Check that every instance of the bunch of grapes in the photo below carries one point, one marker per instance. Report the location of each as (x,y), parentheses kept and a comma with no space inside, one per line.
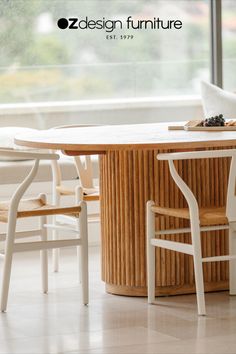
(217,121)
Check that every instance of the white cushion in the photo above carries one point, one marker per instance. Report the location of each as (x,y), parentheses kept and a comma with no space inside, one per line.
(217,101)
(7,135)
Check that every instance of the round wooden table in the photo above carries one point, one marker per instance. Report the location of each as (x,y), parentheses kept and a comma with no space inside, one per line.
(129,176)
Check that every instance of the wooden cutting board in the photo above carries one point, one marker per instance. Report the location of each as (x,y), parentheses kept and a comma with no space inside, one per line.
(192,125)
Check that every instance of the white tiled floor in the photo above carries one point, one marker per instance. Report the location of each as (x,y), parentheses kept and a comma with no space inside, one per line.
(59,323)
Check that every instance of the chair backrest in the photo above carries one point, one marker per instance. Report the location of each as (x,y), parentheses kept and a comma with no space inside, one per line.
(190,198)
(26,155)
(84,167)
(83,164)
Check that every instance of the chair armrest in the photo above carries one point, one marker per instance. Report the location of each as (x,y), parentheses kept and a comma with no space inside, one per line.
(190,155)
(28,155)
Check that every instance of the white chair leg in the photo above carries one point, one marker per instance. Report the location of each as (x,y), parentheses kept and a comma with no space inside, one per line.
(55,235)
(6,280)
(8,261)
(79,255)
(232,263)
(83,231)
(150,253)
(78,199)
(55,251)
(44,255)
(198,270)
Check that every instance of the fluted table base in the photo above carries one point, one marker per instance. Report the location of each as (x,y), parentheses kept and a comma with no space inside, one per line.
(127,180)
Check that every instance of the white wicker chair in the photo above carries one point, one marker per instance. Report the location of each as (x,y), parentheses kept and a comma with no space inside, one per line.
(85,190)
(19,208)
(201,219)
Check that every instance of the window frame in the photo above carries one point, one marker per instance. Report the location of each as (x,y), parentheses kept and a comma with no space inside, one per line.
(216,52)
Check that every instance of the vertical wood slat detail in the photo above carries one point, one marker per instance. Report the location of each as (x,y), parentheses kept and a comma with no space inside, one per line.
(127,180)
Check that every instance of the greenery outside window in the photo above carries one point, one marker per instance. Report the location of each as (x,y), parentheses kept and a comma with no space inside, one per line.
(40,62)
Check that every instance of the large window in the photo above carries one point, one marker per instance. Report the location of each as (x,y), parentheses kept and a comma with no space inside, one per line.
(40,62)
(229,43)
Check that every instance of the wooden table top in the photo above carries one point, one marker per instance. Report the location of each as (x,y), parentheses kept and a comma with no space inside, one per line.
(99,139)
